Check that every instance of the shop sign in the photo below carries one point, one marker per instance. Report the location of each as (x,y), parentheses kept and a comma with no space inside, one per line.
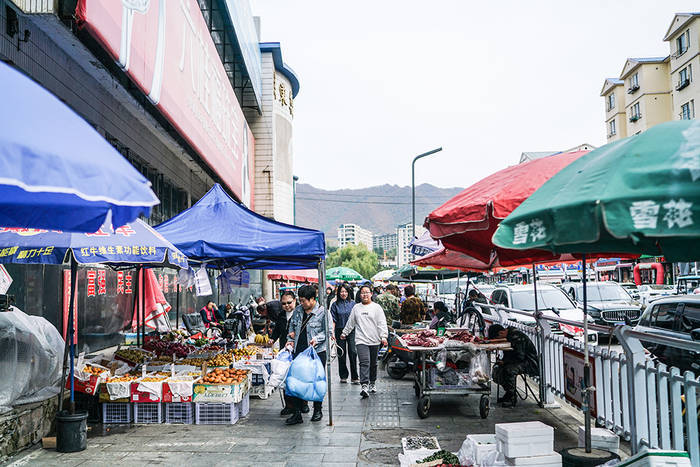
(573,378)
(165,47)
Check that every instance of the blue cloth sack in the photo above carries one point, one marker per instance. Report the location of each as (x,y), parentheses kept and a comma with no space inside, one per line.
(306,378)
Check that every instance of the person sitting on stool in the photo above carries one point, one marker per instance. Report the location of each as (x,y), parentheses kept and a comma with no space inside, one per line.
(521,359)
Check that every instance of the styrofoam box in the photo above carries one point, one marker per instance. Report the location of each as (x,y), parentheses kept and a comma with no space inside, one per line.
(552,459)
(657,458)
(601,438)
(483,446)
(525,439)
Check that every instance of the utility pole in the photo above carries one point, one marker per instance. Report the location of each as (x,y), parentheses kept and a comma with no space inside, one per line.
(413,187)
(294,188)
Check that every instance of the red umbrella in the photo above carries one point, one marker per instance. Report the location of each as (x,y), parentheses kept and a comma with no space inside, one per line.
(467,222)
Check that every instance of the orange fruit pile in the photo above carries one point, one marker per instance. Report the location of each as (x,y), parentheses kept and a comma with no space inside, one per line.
(225,376)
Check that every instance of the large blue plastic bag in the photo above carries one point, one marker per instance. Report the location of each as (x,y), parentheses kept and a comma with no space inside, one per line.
(306,378)
(279,368)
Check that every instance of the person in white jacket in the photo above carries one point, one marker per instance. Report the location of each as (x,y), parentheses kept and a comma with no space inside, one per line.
(368,320)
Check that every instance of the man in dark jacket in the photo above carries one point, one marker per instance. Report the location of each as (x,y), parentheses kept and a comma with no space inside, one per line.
(521,359)
(274,314)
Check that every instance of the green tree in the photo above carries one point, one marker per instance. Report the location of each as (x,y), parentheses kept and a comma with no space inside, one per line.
(379,251)
(357,257)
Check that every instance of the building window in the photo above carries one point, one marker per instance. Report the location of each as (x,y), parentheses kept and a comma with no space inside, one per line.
(685,76)
(613,129)
(688,110)
(634,83)
(611,101)
(635,113)
(682,43)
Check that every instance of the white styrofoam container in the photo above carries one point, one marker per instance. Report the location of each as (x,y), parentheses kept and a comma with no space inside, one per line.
(552,459)
(657,458)
(477,447)
(601,438)
(525,439)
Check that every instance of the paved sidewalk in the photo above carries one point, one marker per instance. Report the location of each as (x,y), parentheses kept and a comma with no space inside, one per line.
(365,432)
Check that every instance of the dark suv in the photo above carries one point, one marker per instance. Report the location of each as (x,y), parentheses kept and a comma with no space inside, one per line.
(677,316)
(608,302)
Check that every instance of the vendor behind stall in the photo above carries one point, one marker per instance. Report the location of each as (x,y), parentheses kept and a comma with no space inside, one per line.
(521,359)
(275,314)
(209,314)
(441,316)
(412,309)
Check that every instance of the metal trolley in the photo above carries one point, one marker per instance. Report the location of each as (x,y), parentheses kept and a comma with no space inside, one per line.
(424,389)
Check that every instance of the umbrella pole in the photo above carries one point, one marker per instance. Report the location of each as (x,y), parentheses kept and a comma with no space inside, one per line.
(142,307)
(71,334)
(322,300)
(177,306)
(586,365)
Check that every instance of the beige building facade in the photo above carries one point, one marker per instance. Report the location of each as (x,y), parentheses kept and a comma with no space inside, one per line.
(353,234)
(653,90)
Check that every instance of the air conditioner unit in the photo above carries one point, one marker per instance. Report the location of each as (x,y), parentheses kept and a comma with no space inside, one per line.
(632,89)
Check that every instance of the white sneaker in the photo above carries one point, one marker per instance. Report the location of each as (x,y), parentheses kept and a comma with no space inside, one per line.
(372,388)
(363,393)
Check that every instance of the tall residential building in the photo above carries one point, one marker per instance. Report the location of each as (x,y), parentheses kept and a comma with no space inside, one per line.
(353,234)
(653,90)
(386,242)
(683,36)
(404,236)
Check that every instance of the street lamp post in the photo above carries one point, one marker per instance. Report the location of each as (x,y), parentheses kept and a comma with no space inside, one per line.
(294,188)
(413,187)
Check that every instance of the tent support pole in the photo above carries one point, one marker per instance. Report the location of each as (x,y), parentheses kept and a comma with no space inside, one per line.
(67,349)
(177,306)
(142,306)
(71,333)
(322,299)
(586,364)
(136,308)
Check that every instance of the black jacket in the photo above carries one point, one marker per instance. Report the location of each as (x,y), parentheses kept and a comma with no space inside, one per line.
(524,351)
(276,314)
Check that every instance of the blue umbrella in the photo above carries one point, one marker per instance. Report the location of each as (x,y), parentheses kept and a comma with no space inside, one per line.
(134,243)
(56,171)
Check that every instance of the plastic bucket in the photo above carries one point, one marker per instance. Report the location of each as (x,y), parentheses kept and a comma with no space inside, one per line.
(71,431)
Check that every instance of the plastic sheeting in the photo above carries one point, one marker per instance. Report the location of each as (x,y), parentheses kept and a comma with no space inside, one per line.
(31,355)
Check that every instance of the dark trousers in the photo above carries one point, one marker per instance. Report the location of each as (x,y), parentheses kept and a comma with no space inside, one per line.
(299,403)
(348,351)
(368,362)
(505,374)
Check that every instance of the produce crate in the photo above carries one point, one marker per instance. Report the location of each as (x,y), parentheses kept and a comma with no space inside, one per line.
(179,413)
(148,413)
(87,386)
(116,412)
(257,379)
(262,391)
(219,393)
(168,395)
(216,414)
(243,406)
(142,396)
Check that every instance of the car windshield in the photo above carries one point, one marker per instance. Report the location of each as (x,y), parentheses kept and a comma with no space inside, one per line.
(660,287)
(602,293)
(547,298)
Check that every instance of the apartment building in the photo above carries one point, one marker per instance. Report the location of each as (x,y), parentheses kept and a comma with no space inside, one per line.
(386,242)
(404,236)
(653,90)
(353,234)
(683,36)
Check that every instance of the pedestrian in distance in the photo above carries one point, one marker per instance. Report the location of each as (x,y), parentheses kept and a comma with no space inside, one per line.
(389,302)
(307,328)
(369,323)
(412,309)
(340,311)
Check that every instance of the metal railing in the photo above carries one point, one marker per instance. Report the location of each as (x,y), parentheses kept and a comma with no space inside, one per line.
(643,401)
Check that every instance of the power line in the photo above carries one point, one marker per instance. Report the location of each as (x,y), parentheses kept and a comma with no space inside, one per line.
(371,196)
(343,201)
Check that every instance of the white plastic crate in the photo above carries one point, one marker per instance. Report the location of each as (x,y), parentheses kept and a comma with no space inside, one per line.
(550,460)
(476,448)
(179,412)
(215,414)
(525,439)
(243,406)
(116,412)
(149,412)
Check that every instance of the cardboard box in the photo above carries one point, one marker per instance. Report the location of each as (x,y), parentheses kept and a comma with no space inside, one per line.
(224,393)
(168,395)
(140,396)
(88,386)
(104,395)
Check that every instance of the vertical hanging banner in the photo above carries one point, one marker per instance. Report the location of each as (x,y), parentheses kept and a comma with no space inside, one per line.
(165,47)
(66,304)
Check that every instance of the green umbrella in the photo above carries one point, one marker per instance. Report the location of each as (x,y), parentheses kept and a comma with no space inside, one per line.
(343,274)
(637,195)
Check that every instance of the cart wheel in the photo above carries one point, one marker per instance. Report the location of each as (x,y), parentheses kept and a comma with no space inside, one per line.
(416,389)
(423,407)
(484,405)
(393,371)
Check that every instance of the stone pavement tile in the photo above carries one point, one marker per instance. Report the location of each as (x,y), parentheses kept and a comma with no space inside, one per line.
(303,460)
(338,464)
(156,457)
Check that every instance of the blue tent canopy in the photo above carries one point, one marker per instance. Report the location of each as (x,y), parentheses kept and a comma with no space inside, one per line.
(130,244)
(222,233)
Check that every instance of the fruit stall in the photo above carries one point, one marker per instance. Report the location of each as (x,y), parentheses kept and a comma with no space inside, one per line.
(174,379)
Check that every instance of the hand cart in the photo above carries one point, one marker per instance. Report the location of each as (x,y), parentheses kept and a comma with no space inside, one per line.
(424,387)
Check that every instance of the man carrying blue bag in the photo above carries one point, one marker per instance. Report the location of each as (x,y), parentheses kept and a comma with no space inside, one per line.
(306,379)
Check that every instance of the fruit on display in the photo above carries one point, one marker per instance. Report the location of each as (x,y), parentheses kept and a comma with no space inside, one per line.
(93,370)
(122,378)
(245,352)
(446,456)
(153,379)
(263,339)
(192,361)
(132,355)
(176,335)
(225,376)
(201,341)
(165,348)
(222,359)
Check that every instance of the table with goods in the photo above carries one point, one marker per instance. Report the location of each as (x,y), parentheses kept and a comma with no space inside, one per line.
(177,379)
(455,363)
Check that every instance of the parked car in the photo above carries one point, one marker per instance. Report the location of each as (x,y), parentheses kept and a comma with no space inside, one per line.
(650,292)
(631,289)
(551,301)
(608,303)
(688,285)
(677,316)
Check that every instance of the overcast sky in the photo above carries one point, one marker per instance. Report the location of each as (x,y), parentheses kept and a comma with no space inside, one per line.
(382,81)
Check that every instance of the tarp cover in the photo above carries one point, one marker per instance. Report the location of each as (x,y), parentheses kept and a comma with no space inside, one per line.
(31,354)
(219,231)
